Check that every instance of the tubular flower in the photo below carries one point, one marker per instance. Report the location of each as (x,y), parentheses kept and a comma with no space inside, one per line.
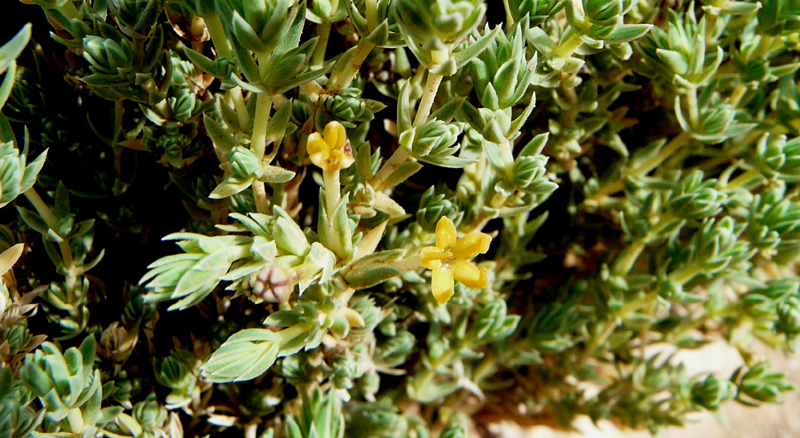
(449,260)
(331,151)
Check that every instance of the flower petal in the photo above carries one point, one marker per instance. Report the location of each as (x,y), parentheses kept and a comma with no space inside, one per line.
(446,233)
(469,275)
(335,135)
(316,144)
(442,284)
(347,155)
(471,245)
(320,158)
(431,257)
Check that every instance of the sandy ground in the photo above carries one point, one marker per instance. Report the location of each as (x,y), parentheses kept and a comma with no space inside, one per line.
(769,421)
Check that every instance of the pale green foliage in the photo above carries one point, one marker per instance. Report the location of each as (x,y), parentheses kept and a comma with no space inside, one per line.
(575,180)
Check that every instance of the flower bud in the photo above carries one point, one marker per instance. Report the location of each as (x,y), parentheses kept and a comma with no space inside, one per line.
(273,284)
(778,158)
(433,206)
(136,15)
(109,57)
(788,321)
(349,108)
(322,8)
(257,25)
(530,175)
(696,198)
(150,415)
(436,139)
(603,12)
(243,163)
(434,28)
(712,392)
(16,176)
(538,11)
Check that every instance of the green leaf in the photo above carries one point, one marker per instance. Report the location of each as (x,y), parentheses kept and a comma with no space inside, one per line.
(245,35)
(244,356)
(303,78)
(229,188)
(449,110)
(535,146)
(676,61)
(33,220)
(374,268)
(467,54)
(8,83)
(380,35)
(31,172)
(12,49)
(541,40)
(221,138)
(275,175)
(292,37)
(61,200)
(277,126)
(288,235)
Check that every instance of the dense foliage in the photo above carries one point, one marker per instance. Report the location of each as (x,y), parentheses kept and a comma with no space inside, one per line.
(392,218)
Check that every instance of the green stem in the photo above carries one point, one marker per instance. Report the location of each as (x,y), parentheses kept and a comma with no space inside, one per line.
(694,111)
(686,273)
(487,367)
(220,40)
(426,102)
(423,111)
(258,145)
(240,107)
(497,202)
(332,189)
(568,47)
(312,90)
(667,151)
(75,420)
(52,222)
(217,33)
(596,341)
(324,34)
(119,111)
(737,94)
(637,304)
(509,17)
(393,163)
(346,76)
(624,262)
(745,179)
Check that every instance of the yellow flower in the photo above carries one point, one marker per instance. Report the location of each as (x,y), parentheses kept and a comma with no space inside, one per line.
(331,151)
(449,260)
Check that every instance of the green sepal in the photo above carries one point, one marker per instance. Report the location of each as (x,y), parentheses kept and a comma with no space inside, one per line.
(373,269)
(244,356)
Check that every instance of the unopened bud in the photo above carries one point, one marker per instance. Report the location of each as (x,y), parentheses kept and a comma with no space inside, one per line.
(273,284)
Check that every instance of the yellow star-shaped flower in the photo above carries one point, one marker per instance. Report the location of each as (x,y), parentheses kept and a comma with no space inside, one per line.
(449,260)
(331,151)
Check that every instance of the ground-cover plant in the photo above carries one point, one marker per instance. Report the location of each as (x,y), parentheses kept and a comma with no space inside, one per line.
(392,218)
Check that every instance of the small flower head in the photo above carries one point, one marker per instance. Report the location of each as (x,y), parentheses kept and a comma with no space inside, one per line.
(449,259)
(332,150)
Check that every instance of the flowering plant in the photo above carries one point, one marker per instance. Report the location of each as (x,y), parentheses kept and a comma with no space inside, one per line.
(393,217)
